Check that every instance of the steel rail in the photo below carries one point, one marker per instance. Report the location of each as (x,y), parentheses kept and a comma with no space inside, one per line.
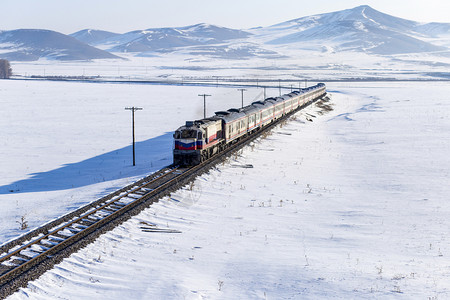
(76,220)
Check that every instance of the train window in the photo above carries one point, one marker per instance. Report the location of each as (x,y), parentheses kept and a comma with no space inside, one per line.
(176,135)
(200,135)
(188,134)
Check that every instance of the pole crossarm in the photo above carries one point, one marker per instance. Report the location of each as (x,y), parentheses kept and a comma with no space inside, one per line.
(133,108)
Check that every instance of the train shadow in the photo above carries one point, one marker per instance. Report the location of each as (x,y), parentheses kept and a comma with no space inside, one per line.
(151,155)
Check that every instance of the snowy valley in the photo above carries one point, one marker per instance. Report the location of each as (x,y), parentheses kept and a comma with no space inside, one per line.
(349,202)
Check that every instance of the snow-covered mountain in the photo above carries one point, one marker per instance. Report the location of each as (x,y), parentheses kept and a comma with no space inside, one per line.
(359,29)
(166,39)
(34,44)
(92,36)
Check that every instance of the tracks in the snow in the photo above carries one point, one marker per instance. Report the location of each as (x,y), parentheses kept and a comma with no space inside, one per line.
(29,256)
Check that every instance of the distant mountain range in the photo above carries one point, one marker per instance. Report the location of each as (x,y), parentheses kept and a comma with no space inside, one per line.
(159,39)
(33,44)
(361,29)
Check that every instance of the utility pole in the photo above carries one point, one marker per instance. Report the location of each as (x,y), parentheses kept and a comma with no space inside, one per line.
(204,104)
(133,109)
(242,92)
(279,85)
(217,80)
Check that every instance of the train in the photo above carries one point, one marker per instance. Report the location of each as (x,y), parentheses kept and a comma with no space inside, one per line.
(199,140)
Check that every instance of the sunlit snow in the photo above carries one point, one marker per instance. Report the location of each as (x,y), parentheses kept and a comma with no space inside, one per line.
(350,205)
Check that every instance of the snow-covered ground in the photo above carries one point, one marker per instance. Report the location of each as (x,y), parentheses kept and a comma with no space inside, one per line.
(351,205)
(295,64)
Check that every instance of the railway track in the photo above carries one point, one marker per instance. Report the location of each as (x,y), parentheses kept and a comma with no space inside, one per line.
(22,256)
(27,257)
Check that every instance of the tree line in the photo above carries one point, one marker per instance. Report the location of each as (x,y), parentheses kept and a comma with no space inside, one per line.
(5,69)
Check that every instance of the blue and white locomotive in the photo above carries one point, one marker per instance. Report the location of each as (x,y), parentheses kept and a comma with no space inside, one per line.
(198,140)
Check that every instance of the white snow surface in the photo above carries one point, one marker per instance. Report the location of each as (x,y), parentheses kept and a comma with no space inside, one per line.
(351,205)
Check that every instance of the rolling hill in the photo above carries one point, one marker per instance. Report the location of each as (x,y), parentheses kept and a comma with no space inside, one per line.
(34,44)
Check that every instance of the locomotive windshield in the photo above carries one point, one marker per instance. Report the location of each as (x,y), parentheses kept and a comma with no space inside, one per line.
(189,134)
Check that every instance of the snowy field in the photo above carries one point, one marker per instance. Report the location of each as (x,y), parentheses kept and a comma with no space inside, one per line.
(351,205)
(298,64)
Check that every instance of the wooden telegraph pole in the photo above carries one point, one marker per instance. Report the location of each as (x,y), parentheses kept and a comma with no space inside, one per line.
(133,109)
(204,104)
(242,98)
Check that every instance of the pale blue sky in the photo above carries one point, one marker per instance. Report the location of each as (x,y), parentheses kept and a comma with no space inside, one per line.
(125,15)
